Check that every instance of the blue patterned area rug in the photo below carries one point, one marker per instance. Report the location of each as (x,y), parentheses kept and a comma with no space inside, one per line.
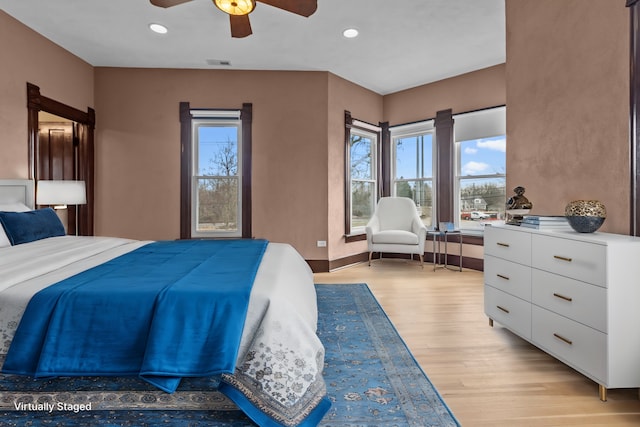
(372,380)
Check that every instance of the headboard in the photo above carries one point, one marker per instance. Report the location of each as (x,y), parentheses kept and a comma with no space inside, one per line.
(17,190)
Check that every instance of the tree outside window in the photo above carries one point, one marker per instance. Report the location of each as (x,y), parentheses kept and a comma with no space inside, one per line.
(218,179)
(363,176)
(413,171)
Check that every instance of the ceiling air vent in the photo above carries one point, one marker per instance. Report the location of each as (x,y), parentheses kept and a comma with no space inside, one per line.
(219,62)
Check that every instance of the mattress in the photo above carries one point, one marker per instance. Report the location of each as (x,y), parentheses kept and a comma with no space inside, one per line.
(280,358)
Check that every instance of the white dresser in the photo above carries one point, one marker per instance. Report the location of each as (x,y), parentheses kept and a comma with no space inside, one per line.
(576,296)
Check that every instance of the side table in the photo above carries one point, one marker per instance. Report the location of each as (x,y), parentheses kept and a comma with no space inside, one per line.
(436,234)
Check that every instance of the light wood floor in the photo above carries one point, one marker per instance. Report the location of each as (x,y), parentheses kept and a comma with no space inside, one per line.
(487,376)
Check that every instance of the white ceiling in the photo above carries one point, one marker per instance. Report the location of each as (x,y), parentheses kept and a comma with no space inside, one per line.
(402,43)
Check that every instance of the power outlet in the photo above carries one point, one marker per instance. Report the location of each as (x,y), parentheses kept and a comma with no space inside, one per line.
(322,243)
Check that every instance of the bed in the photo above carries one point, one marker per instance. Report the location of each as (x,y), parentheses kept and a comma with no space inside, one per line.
(275,376)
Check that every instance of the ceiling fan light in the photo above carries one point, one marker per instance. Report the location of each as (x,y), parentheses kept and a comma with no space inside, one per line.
(235,7)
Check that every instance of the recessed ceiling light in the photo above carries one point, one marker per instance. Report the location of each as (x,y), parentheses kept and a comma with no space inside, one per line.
(158,28)
(350,33)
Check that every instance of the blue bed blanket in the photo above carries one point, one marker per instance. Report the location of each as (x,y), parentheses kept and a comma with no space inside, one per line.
(165,311)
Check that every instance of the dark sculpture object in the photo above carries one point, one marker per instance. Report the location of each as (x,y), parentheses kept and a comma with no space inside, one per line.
(519,201)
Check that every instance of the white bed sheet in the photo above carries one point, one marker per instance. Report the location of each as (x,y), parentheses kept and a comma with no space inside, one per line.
(28,268)
(279,336)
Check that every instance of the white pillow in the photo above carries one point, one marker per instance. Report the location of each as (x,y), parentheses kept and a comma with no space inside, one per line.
(10,207)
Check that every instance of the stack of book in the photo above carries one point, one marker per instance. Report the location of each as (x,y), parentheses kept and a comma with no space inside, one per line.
(544,222)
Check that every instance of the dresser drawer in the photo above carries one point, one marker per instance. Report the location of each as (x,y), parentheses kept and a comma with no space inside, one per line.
(580,301)
(577,345)
(578,260)
(510,277)
(512,312)
(509,244)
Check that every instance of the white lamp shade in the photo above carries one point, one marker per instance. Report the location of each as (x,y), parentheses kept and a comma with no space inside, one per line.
(61,193)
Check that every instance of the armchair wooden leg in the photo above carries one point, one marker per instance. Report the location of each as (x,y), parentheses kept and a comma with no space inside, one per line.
(422,261)
(370,255)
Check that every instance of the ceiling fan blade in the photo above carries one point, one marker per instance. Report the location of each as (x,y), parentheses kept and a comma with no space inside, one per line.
(240,26)
(304,8)
(167,3)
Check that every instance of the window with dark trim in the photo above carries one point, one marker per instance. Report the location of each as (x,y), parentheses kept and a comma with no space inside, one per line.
(413,166)
(434,159)
(215,189)
(362,171)
(437,175)
(480,173)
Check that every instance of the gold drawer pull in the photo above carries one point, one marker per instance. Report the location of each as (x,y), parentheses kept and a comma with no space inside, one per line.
(503,309)
(502,277)
(560,337)
(562,297)
(506,245)
(562,258)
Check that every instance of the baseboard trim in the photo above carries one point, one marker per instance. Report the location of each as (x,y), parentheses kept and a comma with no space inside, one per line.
(325,266)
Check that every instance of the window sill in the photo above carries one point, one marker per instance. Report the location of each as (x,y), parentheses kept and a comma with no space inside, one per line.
(469,237)
(349,238)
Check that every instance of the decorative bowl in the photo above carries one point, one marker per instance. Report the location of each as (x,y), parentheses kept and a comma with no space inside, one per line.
(585,216)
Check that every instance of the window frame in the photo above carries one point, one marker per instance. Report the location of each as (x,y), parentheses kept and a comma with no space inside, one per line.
(368,130)
(408,131)
(214,118)
(187,116)
(493,126)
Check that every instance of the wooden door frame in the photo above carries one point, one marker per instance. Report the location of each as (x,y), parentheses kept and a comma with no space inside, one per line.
(36,102)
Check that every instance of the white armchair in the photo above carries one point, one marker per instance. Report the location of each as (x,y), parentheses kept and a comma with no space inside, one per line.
(396,227)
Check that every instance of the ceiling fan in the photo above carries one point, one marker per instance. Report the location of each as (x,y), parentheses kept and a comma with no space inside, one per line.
(239,10)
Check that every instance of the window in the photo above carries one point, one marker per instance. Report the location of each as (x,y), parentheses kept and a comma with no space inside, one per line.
(452,166)
(480,167)
(362,172)
(412,168)
(215,186)
(217,180)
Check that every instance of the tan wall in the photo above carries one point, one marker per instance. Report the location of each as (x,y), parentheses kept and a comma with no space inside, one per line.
(467,92)
(567,104)
(364,105)
(28,57)
(138,151)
